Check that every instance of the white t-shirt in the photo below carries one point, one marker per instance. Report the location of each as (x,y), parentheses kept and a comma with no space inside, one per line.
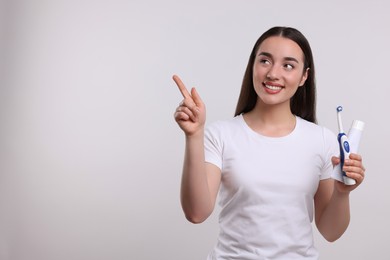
(267,190)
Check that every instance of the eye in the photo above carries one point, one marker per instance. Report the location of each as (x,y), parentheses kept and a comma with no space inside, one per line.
(289,66)
(265,61)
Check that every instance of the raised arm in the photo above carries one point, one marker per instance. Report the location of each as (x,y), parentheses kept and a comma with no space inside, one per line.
(332,210)
(200,180)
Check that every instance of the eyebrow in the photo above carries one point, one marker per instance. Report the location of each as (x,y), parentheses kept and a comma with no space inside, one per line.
(285,58)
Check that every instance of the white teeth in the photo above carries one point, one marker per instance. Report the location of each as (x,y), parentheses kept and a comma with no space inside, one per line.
(273,87)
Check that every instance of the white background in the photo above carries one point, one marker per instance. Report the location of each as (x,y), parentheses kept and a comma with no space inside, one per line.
(90,155)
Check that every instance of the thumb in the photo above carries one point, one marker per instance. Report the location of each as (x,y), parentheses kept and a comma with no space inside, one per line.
(195,96)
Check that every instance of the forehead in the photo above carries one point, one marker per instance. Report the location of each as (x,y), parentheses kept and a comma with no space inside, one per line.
(280,47)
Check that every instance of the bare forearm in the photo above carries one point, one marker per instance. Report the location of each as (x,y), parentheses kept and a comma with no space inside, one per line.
(195,194)
(335,218)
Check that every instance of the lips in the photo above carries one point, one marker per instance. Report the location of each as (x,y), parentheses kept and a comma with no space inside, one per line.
(272,87)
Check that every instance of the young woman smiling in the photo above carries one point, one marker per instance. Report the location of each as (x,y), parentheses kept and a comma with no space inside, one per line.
(271,163)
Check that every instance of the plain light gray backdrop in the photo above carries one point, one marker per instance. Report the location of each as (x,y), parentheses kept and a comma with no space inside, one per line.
(90,155)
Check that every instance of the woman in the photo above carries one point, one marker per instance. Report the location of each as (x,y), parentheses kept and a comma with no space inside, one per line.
(271,163)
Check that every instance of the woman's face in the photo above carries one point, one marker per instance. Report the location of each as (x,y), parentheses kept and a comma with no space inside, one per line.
(278,71)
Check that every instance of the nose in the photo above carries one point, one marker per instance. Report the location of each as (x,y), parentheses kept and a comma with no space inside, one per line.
(273,73)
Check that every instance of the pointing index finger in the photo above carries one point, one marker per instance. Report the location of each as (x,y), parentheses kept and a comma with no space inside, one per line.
(181,86)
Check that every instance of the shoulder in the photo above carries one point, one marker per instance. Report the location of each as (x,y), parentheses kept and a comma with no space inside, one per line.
(225,125)
(224,131)
(322,137)
(314,129)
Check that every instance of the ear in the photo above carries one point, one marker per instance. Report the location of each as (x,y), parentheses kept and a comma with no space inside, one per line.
(304,77)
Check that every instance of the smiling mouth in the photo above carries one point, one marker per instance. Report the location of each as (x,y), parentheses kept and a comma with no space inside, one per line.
(272,87)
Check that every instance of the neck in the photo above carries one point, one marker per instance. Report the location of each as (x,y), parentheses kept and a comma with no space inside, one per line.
(273,114)
(273,121)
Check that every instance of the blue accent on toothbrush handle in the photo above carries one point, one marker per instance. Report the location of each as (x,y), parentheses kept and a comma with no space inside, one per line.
(345,151)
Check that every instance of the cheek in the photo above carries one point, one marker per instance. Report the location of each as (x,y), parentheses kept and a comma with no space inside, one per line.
(295,79)
(258,72)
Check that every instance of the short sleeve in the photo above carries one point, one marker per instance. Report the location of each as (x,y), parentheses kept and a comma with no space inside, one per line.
(213,145)
(331,148)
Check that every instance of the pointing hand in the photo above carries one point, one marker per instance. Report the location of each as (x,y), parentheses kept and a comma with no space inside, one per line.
(191,112)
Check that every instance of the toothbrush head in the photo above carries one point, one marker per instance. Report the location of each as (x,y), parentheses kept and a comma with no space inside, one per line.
(339,109)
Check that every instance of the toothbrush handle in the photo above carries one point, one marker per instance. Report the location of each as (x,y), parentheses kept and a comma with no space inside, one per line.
(345,151)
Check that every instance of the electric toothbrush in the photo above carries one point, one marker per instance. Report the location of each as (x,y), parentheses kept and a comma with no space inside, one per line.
(345,148)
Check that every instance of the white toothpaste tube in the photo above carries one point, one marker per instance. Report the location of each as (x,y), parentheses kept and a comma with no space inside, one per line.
(348,144)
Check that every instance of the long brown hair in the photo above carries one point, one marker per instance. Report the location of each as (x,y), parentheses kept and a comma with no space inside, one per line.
(303,103)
